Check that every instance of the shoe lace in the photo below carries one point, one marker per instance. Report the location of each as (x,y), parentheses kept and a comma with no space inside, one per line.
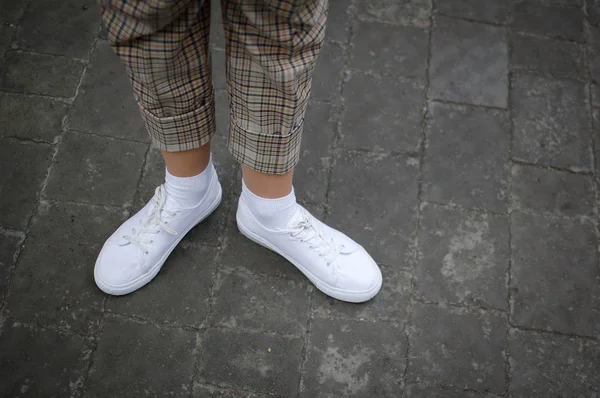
(307,232)
(153,223)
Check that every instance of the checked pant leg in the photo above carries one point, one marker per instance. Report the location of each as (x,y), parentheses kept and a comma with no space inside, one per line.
(164,45)
(271,49)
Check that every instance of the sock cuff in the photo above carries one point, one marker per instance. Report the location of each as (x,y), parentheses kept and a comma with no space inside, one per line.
(291,197)
(188,182)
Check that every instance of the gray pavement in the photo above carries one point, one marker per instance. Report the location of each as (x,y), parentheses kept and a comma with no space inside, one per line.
(456,139)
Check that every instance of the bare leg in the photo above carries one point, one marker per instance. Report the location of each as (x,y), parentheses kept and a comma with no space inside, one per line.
(268,186)
(187,163)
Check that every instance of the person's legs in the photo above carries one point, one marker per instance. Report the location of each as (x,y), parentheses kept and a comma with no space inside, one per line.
(164,46)
(272,47)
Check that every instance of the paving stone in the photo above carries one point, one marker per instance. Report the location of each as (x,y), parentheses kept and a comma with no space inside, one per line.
(544,365)
(105,104)
(596,95)
(41,363)
(456,347)
(11,11)
(469,63)
(6,35)
(208,391)
(185,280)
(596,129)
(63,28)
(327,75)
(217,34)
(494,11)
(373,199)
(403,12)
(311,175)
(400,50)
(337,21)
(566,3)
(466,157)
(85,170)
(54,282)
(554,276)
(33,118)
(21,161)
(551,124)
(593,12)
(354,359)
(9,246)
(418,391)
(551,191)
(463,257)
(134,359)
(391,303)
(556,57)
(40,74)
(538,19)
(387,111)
(594,53)
(219,73)
(261,303)
(264,363)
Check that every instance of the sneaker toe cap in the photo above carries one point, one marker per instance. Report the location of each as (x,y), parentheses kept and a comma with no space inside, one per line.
(112,272)
(360,274)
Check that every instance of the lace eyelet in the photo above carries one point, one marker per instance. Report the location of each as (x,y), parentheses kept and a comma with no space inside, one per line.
(151,241)
(146,252)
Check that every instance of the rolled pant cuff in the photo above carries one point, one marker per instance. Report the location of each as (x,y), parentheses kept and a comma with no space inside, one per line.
(182,132)
(265,153)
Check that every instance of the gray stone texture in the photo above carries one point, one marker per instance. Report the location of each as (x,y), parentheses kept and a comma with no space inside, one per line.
(328,72)
(551,191)
(131,359)
(403,12)
(40,74)
(382,114)
(551,122)
(9,247)
(261,303)
(594,53)
(63,28)
(554,275)
(402,50)
(33,118)
(354,359)
(469,63)
(457,347)
(338,21)
(11,11)
(105,103)
(538,19)
(54,278)
(463,257)
(263,363)
(545,365)
(593,12)
(466,157)
(381,222)
(85,170)
(28,163)
(556,57)
(493,11)
(41,362)
(6,35)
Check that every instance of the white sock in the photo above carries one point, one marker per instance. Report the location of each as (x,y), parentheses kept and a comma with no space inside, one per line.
(188,191)
(271,213)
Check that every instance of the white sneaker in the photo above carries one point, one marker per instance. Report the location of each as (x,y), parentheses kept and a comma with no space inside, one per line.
(135,253)
(338,266)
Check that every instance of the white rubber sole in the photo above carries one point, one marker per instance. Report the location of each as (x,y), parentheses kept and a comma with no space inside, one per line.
(146,278)
(343,295)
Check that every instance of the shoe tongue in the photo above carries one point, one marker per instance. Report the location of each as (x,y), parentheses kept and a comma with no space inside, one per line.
(297,217)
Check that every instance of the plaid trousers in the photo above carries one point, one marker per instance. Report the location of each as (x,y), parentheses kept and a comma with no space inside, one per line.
(271,50)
